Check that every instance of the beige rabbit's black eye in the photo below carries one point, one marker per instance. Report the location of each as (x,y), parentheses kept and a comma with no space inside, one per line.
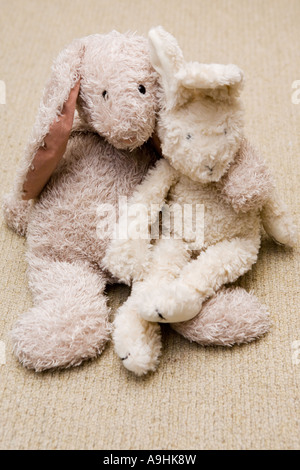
(105,95)
(142,89)
(188,136)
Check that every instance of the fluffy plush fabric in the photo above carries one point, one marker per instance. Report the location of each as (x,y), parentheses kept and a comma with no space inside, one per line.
(209,163)
(200,398)
(70,320)
(278,222)
(232,316)
(137,342)
(247,184)
(67,234)
(16,213)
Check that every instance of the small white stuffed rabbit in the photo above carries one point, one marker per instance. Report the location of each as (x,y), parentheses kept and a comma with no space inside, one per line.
(209,163)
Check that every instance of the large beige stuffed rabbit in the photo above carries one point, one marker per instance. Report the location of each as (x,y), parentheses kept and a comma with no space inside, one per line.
(105,158)
(209,164)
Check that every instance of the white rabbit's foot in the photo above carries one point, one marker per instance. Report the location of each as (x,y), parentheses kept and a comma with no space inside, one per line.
(140,358)
(169,303)
(137,342)
(127,259)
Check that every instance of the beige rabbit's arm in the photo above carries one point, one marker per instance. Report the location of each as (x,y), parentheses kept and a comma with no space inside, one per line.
(128,255)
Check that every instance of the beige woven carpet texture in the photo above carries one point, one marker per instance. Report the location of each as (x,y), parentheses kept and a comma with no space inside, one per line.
(245,397)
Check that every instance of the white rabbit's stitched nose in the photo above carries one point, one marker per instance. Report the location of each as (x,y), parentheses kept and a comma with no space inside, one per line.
(210,168)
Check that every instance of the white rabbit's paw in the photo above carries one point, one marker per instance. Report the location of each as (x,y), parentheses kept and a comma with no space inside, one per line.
(169,303)
(140,358)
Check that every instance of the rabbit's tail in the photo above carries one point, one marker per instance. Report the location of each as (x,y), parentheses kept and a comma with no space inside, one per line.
(277,221)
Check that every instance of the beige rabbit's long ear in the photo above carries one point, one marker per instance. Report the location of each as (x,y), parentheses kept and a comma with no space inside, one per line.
(167,59)
(218,77)
(65,76)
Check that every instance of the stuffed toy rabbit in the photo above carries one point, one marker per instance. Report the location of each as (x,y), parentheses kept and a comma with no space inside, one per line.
(209,163)
(61,183)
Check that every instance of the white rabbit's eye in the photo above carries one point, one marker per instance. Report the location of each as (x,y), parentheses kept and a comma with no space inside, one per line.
(225,131)
(105,95)
(142,89)
(188,136)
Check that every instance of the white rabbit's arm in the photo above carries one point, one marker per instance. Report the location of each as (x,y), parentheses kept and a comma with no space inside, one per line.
(248,182)
(278,222)
(128,255)
(152,192)
(248,185)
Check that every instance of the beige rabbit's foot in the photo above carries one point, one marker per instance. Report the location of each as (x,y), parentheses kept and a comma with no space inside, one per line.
(169,303)
(231,316)
(57,334)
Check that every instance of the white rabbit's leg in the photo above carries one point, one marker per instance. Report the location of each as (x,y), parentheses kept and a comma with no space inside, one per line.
(222,263)
(69,320)
(128,259)
(278,222)
(136,341)
(169,257)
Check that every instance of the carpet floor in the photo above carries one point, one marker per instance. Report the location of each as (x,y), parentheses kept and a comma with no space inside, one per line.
(200,398)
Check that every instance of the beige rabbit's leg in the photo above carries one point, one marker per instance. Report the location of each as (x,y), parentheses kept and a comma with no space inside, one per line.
(231,316)
(69,320)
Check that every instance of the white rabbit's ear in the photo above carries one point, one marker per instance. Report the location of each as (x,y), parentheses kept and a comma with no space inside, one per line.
(211,76)
(167,59)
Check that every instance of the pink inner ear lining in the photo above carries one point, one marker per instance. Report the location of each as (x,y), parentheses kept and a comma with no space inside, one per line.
(48,156)
(39,173)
